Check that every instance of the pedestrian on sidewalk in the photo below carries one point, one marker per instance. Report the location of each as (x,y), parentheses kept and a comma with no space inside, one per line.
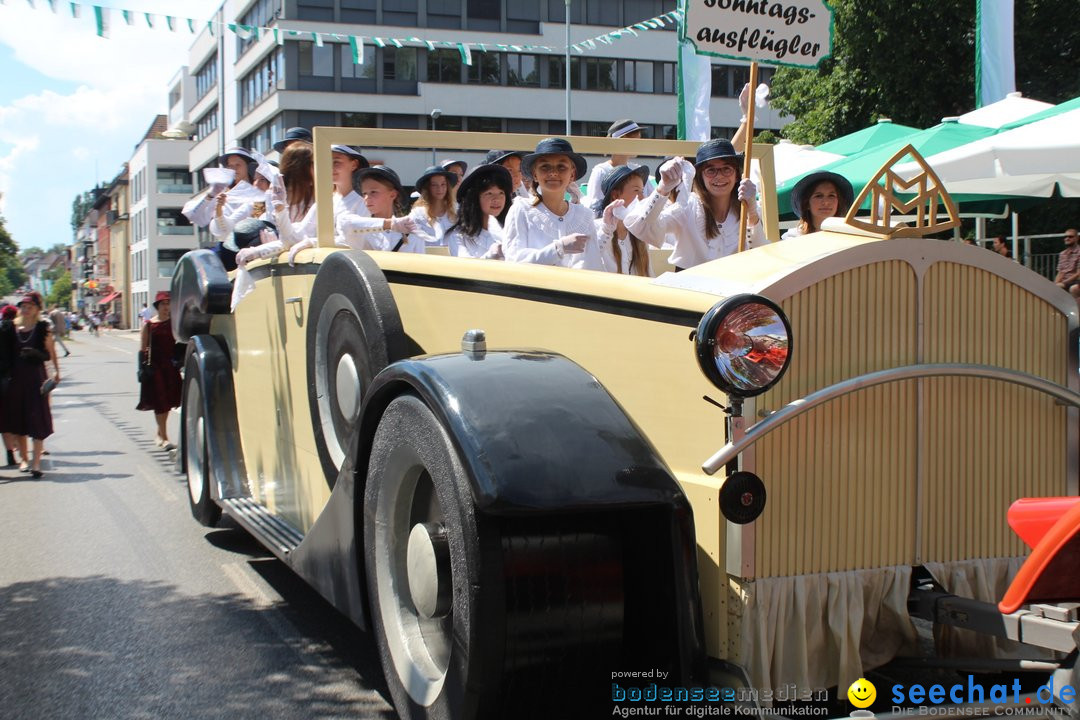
(26,403)
(158,349)
(7,355)
(58,322)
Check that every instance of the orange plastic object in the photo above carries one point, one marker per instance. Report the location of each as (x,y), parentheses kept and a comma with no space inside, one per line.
(1031,518)
(1050,572)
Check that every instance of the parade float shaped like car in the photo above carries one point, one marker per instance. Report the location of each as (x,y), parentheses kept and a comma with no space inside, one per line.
(510,474)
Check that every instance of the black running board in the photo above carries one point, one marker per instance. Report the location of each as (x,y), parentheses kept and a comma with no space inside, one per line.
(276,534)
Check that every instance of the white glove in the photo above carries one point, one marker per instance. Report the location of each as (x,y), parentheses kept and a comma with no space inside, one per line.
(748,196)
(744,99)
(613,213)
(217,188)
(574,190)
(670,176)
(302,245)
(761,97)
(278,196)
(571,244)
(258,252)
(495,252)
(403,225)
(266,235)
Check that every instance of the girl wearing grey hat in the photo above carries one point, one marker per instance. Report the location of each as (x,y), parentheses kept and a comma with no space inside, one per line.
(436,209)
(619,129)
(620,250)
(705,220)
(201,211)
(549,229)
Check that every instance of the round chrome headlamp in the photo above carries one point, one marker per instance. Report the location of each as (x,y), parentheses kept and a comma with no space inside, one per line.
(744,345)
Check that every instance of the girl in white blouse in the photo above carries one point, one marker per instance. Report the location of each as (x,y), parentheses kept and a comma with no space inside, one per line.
(620,250)
(818,196)
(436,209)
(548,229)
(485,199)
(388,228)
(347,162)
(705,220)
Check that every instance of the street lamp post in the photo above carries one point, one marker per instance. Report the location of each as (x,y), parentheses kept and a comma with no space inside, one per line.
(435,114)
(568,68)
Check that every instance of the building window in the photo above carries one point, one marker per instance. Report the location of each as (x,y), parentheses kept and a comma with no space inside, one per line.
(261,14)
(485,124)
(557,73)
(599,74)
(523,16)
(484,14)
(444,14)
(638,76)
(263,79)
(313,61)
(515,125)
(667,71)
(264,137)
(444,66)
(359,119)
(174,180)
(522,70)
(486,69)
(400,12)
(166,262)
(454,123)
(171,222)
(206,124)
(606,13)
(557,11)
(315,9)
(206,78)
(399,64)
(358,11)
(362,71)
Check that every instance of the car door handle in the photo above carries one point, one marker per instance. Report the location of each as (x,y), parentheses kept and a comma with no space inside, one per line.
(291,300)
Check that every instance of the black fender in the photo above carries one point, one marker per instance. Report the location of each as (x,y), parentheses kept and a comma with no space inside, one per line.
(200,289)
(223,446)
(544,444)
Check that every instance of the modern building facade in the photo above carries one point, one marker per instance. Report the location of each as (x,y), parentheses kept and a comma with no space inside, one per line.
(248,90)
(159,185)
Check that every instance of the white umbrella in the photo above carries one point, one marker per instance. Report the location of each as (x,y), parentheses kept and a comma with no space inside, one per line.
(791,160)
(1011,108)
(1030,160)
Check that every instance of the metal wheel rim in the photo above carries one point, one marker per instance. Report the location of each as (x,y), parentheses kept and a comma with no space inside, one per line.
(419,647)
(334,304)
(194,442)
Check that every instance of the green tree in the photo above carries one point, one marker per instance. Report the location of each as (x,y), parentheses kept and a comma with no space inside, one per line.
(12,274)
(80,206)
(61,291)
(914,61)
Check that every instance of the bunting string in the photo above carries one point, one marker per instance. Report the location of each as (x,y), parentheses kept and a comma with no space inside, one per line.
(249,32)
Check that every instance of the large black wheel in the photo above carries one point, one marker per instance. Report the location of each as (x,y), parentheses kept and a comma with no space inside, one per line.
(422,563)
(477,616)
(203,507)
(353,333)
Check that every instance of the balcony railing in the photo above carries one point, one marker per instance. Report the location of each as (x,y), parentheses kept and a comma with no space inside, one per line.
(175,188)
(176,230)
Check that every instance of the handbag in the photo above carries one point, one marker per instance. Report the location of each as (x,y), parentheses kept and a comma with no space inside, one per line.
(48,386)
(144,370)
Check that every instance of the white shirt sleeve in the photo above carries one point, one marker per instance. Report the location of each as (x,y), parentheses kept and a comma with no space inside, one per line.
(649,221)
(231,214)
(200,211)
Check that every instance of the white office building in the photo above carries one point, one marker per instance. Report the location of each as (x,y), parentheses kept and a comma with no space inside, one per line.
(249,91)
(159,185)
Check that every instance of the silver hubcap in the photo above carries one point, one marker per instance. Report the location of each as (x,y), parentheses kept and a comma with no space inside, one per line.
(428,563)
(348,387)
(414,584)
(194,442)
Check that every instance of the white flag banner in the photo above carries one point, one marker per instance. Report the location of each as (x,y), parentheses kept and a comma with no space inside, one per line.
(995,65)
(695,94)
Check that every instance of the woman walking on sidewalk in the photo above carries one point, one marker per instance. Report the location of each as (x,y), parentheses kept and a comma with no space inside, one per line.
(26,403)
(160,388)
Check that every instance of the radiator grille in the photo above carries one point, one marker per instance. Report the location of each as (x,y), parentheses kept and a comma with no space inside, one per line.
(843,478)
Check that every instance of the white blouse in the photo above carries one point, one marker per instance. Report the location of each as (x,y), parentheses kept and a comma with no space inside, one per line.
(607,241)
(201,211)
(366,233)
(654,218)
(532,231)
(435,230)
(482,246)
(292,231)
(596,180)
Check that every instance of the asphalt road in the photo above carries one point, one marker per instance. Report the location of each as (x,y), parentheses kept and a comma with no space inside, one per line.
(115,603)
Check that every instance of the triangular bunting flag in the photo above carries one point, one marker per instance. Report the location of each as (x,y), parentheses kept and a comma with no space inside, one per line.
(317,38)
(466,54)
(101,20)
(75,9)
(170,22)
(395,42)
(149,19)
(357,44)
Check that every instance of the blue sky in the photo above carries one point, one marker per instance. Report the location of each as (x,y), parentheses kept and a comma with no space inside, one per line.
(73,105)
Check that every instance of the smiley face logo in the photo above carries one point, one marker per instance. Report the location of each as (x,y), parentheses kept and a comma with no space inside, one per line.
(862,693)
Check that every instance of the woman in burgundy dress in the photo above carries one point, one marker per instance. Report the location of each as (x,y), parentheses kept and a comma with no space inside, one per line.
(160,390)
(26,403)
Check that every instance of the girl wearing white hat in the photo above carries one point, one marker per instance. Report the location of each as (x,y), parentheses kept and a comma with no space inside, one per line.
(549,229)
